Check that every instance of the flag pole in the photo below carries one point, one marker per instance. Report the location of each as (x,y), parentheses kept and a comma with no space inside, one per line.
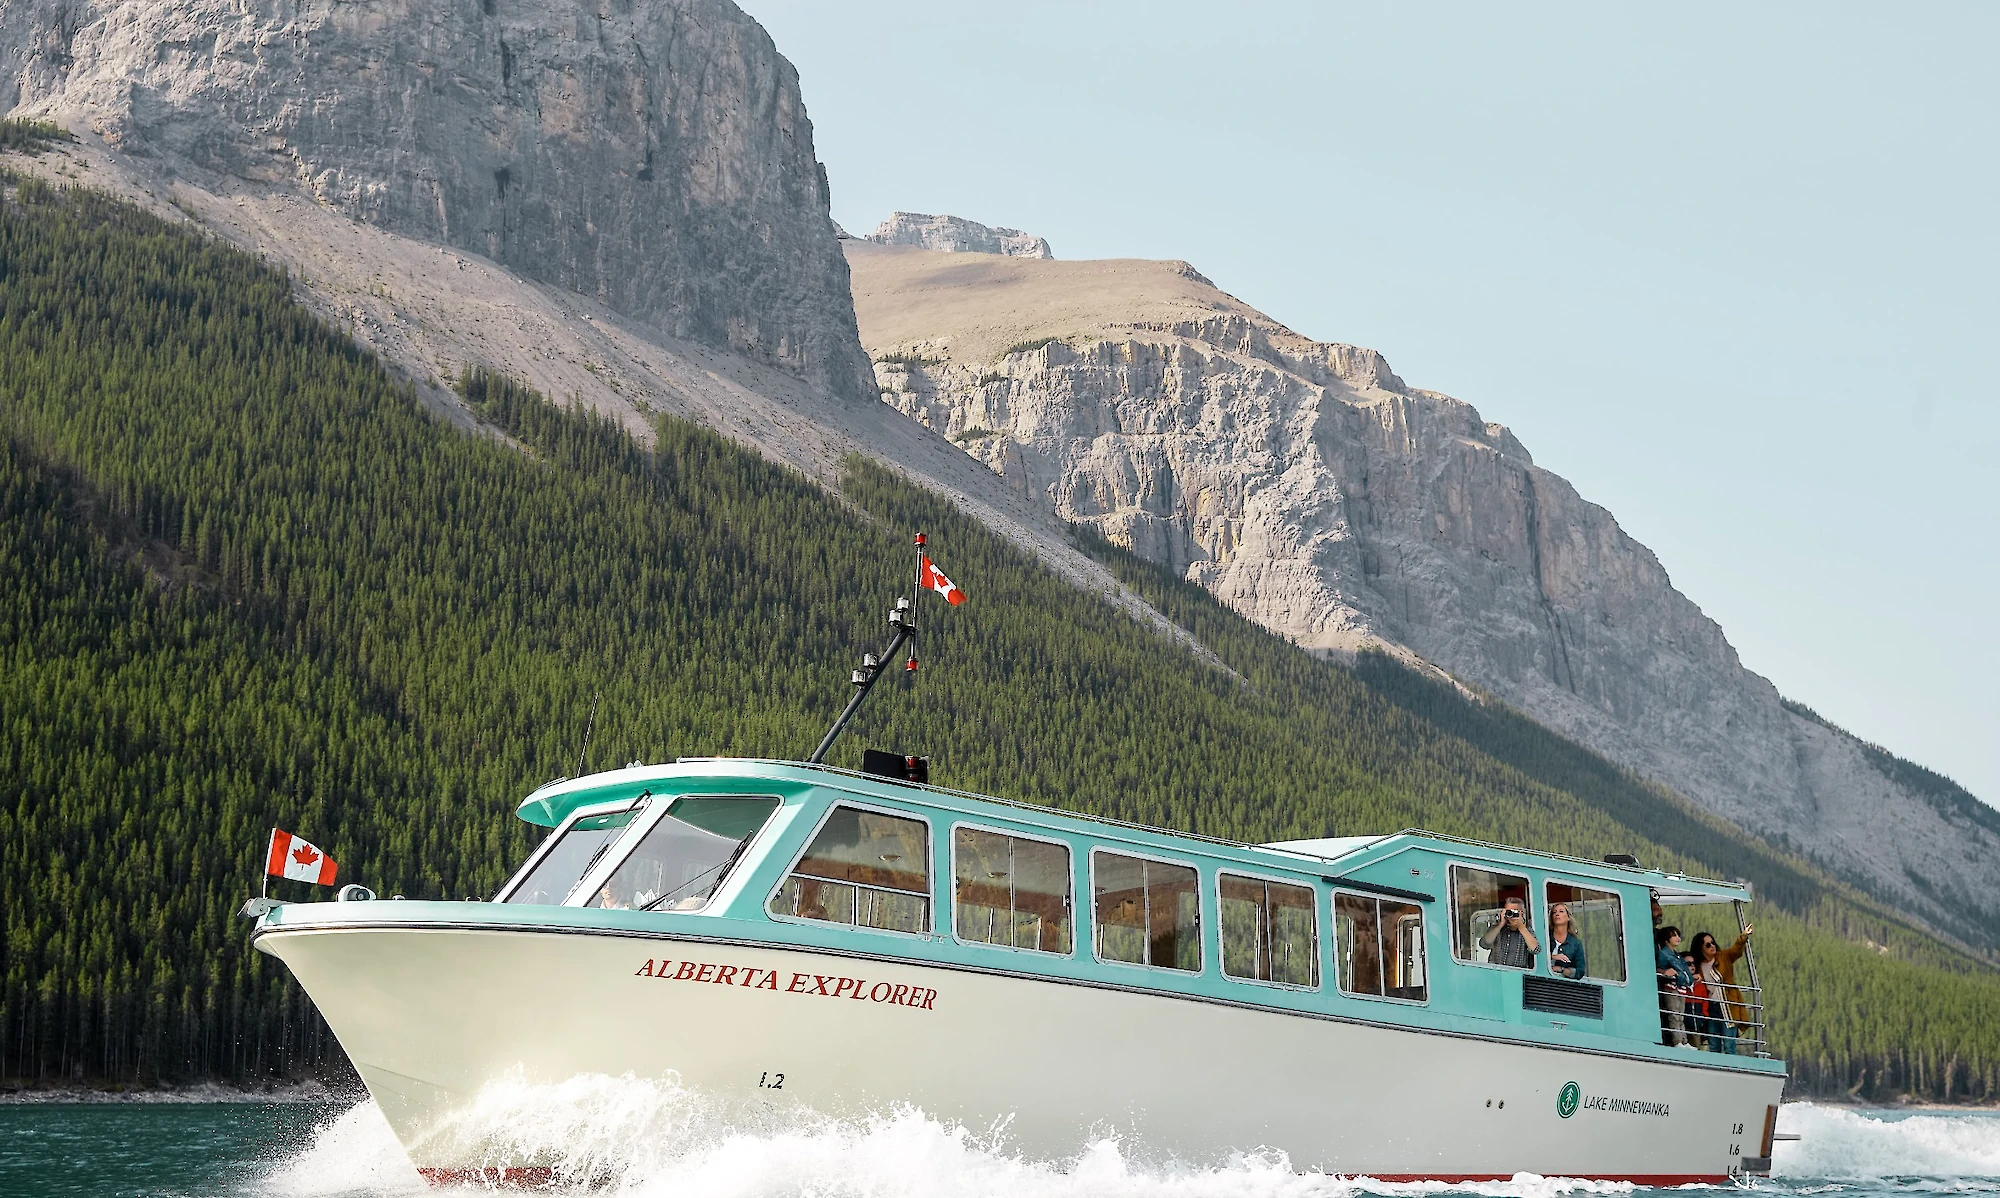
(903,624)
(910,662)
(917,587)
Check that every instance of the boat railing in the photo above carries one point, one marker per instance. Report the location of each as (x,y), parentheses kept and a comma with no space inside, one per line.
(1754,1003)
(1707,1023)
(864,905)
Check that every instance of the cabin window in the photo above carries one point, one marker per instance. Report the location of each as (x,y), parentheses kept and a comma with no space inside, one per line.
(1270,931)
(578,847)
(1146,912)
(1599,922)
(1010,890)
(865,868)
(1378,947)
(1479,899)
(686,854)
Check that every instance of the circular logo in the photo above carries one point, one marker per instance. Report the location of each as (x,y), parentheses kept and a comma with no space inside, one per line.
(1566,1100)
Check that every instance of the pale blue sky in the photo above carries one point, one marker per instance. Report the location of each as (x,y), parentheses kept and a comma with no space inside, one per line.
(1734,272)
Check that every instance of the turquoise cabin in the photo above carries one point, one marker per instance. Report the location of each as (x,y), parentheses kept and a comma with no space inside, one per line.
(1395,930)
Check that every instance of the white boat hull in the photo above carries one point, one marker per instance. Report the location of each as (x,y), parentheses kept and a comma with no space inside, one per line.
(429,1016)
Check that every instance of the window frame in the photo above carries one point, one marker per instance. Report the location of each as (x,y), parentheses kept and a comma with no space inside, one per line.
(549,842)
(805,846)
(1222,957)
(1200,924)
(1624,942)
(600,874)
(1068,954)
(1538,926)
(1333,941)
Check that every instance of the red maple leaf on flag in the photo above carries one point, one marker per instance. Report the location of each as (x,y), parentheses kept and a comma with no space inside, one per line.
(290,857)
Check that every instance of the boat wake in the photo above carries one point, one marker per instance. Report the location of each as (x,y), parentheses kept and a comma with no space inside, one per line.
(1838,1144)
(642,1139)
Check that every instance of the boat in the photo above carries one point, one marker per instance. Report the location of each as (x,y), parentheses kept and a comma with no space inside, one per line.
(790,937)
(803,935)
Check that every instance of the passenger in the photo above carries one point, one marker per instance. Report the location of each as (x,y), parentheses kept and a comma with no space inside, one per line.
(1717,966)
(1675,981)
(1565,947)
(1696,1019)
(1659,912)
(1717,1033)
(1510,942)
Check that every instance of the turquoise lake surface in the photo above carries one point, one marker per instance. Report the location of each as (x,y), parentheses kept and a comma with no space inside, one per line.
(651,1144)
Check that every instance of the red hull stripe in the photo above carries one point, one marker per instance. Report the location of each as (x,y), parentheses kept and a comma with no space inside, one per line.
(539,1176)
(1655,1181)
(513,1177)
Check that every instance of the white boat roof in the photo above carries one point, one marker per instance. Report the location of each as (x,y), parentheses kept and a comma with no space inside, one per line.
(551,802)
(1325,848)
(1672,889)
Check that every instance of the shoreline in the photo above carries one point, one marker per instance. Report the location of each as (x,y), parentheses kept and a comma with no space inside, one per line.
(289,1093)
(1845,1103)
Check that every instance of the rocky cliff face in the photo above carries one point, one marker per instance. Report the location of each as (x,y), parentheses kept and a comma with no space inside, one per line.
(615,202)
(650,154)
(956,235)
(1310,488)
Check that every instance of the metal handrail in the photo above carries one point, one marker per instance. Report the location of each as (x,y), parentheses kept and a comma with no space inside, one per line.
(1750,970)
(856,888)
(1751,1033)
(917,894)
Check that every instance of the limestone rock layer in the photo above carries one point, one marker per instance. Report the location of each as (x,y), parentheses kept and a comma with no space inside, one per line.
(1311,489)
(956,235)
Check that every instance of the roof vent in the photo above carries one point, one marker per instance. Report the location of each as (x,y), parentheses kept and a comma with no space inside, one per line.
(1620,859)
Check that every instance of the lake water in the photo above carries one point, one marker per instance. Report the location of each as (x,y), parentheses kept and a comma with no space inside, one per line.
(657,1149)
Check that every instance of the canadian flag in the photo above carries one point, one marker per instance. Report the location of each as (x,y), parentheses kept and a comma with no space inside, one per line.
(929,575)
(295,859)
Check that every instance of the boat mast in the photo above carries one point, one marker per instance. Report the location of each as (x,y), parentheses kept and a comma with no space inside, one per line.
(902,623)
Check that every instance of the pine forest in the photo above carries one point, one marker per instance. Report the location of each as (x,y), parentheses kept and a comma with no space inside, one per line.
(248,578)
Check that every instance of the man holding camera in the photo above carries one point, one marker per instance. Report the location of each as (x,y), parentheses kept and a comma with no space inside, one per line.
(1509,942)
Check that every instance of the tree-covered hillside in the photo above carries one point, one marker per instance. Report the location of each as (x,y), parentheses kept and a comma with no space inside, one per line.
(246,579)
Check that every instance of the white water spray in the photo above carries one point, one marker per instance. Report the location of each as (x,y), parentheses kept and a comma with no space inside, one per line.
(633,1138)
(354,1153)
(1845,1145)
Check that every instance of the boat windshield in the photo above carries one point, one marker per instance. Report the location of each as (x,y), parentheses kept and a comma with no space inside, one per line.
(580,846)
(686,854)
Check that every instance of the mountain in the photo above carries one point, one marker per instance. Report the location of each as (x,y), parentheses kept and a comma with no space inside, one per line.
(260,537)
(1310,488)
(249,577)
(956,235)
